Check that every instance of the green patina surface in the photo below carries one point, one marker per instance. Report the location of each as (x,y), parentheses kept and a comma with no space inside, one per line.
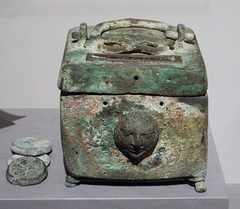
(149,74)
(26,171)
(88,123)
(133,60)
(120,79)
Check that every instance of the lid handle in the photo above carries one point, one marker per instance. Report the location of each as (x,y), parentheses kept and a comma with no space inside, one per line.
(176,33)
(127,23)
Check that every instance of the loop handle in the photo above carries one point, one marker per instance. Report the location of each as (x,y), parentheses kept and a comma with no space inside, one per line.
(127,23)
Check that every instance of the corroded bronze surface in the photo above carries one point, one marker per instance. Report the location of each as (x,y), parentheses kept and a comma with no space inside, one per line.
(136,135)
(26,171)
(88,123)
(134,103)
(165,59)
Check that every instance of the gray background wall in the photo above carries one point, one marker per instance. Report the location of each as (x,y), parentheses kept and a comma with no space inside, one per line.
(33,34)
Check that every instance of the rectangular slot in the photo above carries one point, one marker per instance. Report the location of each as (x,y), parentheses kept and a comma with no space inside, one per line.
(133,58)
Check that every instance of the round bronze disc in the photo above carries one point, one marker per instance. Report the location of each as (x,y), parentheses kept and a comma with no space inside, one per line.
(26,171)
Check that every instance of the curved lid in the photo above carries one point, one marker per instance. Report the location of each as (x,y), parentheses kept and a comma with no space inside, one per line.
(133,56)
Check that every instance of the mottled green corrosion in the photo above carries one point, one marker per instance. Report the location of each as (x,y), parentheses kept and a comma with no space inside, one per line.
(26,171)
(88,122)
(156,61)
(117,70)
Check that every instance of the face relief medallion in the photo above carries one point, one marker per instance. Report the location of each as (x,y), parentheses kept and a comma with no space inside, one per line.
(136,135)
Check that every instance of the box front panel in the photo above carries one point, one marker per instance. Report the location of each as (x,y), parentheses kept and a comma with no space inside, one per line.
(134,137)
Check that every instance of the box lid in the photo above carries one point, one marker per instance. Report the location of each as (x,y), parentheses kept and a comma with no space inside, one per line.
(133,56)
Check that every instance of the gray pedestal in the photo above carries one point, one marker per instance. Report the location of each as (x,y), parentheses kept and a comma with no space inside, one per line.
(52,193)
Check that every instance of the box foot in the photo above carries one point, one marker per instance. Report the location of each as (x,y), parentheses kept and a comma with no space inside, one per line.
(71,182)
(200,186)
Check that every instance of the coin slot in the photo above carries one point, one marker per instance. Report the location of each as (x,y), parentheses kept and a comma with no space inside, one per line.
(133,56)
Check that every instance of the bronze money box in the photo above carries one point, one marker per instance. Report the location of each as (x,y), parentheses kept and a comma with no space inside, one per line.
(134,104)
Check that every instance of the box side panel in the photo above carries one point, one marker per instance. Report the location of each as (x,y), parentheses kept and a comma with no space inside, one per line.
(137,78)
(88,125)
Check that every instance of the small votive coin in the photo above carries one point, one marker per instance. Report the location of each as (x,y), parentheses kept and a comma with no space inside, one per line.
(26,171)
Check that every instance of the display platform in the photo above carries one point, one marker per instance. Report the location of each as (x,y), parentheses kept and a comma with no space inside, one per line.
(234,194)
(52,193)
